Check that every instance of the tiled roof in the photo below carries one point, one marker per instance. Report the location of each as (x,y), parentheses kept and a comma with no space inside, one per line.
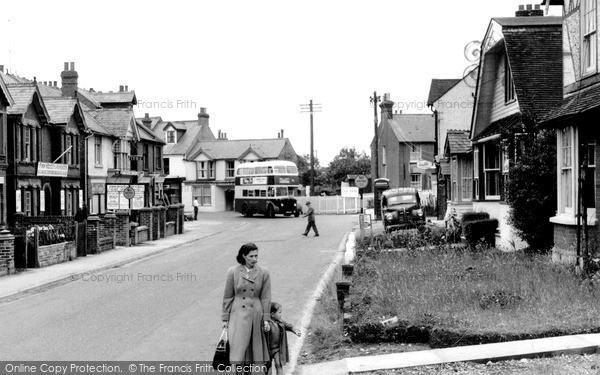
(413,127)
(116,121)
(529,21)
(582,101)
(511,122)
(115,97)
(149,135)
(87,99)
(194,133)
(155,120)
(22,94)
(535,57)
(5,95)
(94,125)
(439,87)
(60,109)
(457,142)
(233,149)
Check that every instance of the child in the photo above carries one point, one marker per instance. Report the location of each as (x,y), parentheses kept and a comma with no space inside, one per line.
(277,338)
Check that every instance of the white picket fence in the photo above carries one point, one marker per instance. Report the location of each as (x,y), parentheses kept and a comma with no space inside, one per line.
(343,205)
(335,204)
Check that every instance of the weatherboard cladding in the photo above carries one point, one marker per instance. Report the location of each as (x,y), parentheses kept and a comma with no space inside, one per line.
(439,87)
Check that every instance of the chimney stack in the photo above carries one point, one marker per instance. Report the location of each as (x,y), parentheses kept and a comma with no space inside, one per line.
(203,117)
(386,107)
(529,11)
(69,81)
(147,121)
(2,68)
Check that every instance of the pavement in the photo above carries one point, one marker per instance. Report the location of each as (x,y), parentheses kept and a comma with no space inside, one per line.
(36,280)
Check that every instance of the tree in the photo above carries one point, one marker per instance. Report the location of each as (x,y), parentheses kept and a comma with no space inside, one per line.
(531,188)
(303,163)
(348,161)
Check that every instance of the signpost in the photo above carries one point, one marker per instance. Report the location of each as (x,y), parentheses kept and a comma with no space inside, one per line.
(361,181)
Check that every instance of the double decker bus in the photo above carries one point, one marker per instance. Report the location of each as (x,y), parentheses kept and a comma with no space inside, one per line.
(267,187)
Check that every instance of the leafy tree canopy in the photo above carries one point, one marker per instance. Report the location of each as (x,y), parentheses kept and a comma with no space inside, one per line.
(348,161)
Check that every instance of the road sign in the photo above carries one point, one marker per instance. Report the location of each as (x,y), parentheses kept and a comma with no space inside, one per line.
(128,192)
(361,181)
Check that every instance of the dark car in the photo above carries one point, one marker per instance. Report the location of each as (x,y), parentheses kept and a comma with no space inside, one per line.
(401,209)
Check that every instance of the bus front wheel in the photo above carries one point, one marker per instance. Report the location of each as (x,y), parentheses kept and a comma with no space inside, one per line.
(270,212)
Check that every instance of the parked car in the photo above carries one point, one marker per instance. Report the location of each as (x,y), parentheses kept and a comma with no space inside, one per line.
(401,209)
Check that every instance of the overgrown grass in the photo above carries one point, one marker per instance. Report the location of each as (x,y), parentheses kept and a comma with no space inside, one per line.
(485,291)
(326,333)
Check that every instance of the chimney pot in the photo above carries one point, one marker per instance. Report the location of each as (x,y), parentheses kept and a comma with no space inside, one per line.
(536,6)
(147,115)
(202,110)
(521,7)
(72,66)
(281,133)
(66,66)
(55,84)
(529,7)
(2,68)
(126,88)
(120,88)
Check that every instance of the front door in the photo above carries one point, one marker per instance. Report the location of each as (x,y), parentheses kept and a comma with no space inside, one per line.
(229,200)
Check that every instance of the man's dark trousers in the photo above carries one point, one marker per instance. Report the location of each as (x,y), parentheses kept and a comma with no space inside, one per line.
(196,213)
(311,224)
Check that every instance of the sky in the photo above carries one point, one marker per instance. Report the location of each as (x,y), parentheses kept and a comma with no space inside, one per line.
(252,64)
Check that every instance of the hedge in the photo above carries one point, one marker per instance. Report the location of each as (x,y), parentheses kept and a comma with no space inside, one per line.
(485,230)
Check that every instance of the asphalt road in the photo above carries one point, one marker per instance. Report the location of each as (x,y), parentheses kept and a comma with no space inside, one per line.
(168,307)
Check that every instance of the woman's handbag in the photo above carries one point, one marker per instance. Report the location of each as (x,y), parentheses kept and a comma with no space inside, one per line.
(221,358)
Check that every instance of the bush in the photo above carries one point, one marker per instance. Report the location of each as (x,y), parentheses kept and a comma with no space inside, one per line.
(531,191)
(484,230)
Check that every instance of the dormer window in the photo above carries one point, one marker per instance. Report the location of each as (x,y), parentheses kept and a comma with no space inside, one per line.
(588,32)
(171,136)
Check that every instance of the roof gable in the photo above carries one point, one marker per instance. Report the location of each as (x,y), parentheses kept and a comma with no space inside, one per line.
(413,127)
(439,87)
(119,122)
(4,94)
(457,142)
(24,95)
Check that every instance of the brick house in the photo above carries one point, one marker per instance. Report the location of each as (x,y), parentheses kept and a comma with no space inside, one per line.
(404,140)
(451,101)
(577,177)
(5,102)
(204,165)
(518,83)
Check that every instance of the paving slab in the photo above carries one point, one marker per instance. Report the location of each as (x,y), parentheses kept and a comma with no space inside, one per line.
(551,346)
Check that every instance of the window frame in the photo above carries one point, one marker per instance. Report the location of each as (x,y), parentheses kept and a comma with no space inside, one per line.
(97,150)
(491,171)
(230,169)
(589,37)
(509,86)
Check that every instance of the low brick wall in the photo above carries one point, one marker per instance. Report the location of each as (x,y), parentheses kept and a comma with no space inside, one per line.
(565,243)
(56,253)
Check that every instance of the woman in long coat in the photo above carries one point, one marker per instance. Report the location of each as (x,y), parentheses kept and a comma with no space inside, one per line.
(246,308)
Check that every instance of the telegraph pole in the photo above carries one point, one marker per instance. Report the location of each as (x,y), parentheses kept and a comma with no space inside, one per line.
(374,101)
(311,108)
